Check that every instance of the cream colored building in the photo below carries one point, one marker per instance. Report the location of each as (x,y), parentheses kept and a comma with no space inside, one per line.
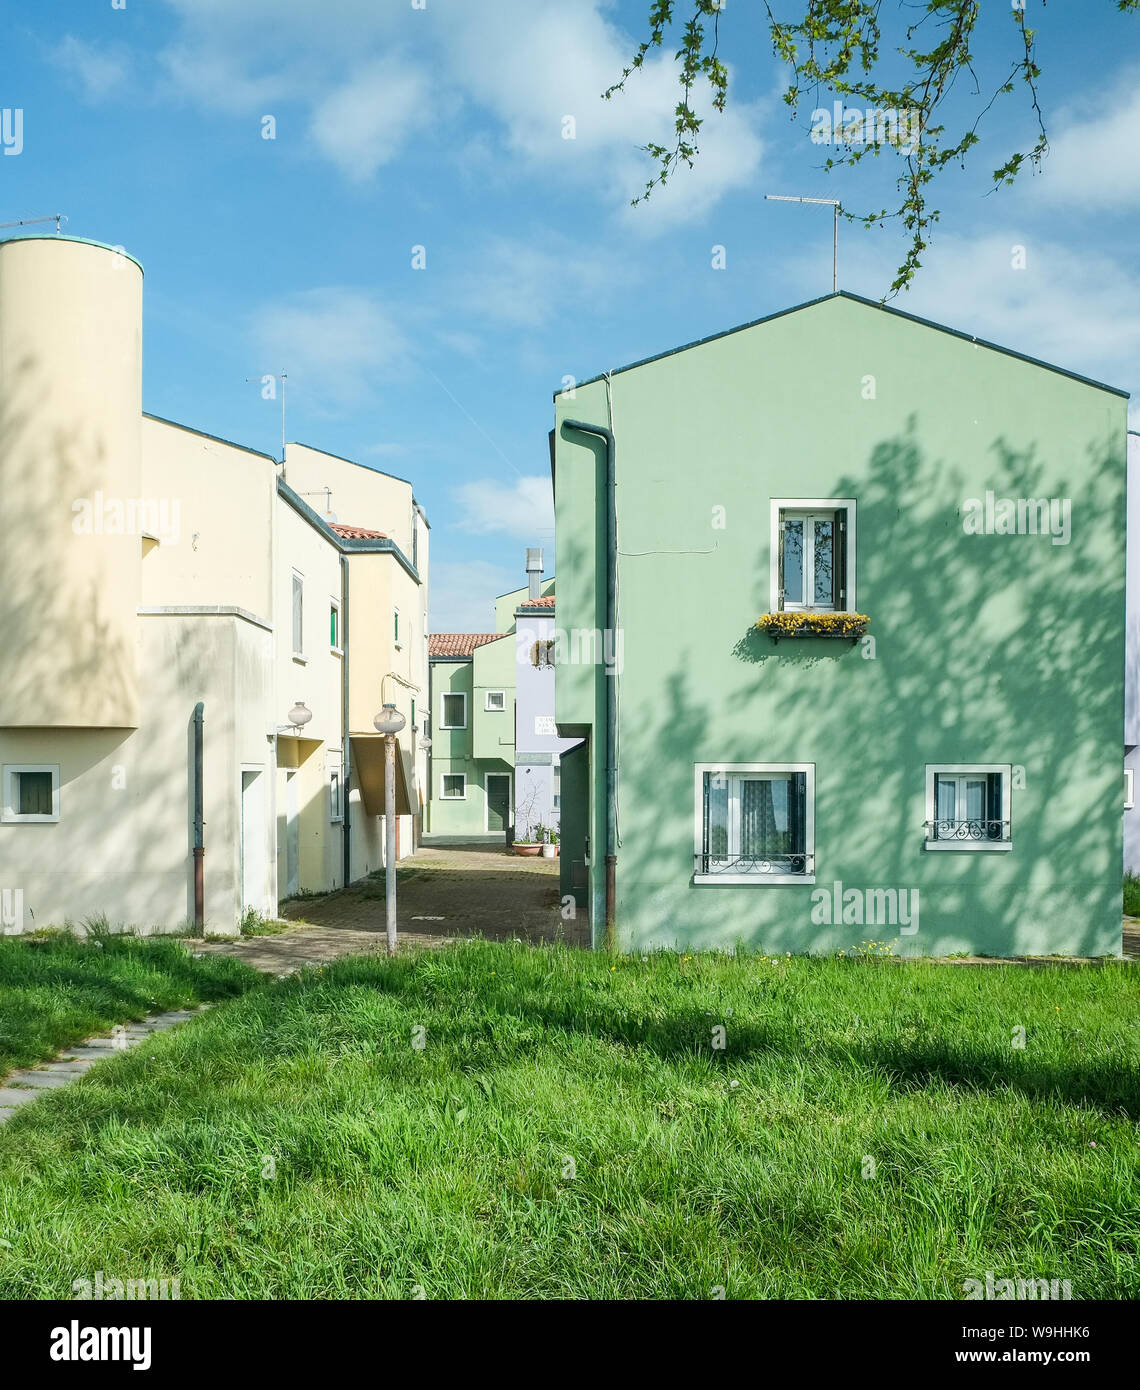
(147,569)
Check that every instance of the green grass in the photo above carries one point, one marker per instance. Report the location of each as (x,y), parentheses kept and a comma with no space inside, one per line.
(56,988)
(1132,894)
(569,1130)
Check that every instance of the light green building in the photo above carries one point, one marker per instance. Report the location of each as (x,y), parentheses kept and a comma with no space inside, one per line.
(945,776)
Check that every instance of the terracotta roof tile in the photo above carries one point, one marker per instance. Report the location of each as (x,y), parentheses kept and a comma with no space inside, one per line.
(546,601)
(358,533)
(459,643)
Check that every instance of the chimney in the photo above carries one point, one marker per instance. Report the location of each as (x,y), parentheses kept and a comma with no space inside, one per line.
(534,573)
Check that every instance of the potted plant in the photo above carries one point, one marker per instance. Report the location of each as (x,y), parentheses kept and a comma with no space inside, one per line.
(550,845)
(529,842)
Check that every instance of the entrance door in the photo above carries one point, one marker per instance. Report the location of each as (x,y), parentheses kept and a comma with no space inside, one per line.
(498,789)
(252,841)
(292,835)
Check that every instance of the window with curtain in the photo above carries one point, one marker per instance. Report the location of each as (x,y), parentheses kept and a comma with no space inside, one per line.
(754,822)
(968,806)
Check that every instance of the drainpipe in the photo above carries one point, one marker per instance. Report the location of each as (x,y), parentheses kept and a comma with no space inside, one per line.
(610,686)
(199,823)
(346,745)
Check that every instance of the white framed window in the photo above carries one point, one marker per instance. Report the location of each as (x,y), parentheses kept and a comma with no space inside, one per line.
(335,637)
(453,710)
(396,638)
(754,823)
(453,786)
(496,700)
(812,555)
(31,793)
(968,806)
(1129,799)
(336,785)
(298,613)
(556,785)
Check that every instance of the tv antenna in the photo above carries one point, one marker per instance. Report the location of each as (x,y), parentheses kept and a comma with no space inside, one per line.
(282,376)
(56,217)
(828,202)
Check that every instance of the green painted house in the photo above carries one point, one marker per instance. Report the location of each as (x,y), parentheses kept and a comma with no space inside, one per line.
(841,624)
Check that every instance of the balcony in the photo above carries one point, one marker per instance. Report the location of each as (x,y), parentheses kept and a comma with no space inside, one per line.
(968,834)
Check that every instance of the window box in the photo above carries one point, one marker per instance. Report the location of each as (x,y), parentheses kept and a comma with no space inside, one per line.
(754,823)
(798,623)
(968,806)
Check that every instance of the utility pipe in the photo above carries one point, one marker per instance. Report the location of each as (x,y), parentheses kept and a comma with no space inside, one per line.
(610,688)
(199,823)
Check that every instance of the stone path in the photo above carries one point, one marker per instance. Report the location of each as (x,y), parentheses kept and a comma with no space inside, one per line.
(23,1086)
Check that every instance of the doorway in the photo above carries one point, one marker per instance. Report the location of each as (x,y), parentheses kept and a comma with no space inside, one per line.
(252,840)
(497,786)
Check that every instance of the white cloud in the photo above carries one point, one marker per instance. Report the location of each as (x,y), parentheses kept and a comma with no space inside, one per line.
(1092,159)
(364,123)
(100,69)
(339,345)
(463,594)
(523,509)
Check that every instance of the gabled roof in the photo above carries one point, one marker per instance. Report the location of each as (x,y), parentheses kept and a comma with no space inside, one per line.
(459,644)
(870,304)
(357,533)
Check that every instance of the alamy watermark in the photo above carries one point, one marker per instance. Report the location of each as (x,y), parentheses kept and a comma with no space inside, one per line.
(1019,516)
(12,129)
(1004,1290)
(133,1290)
(847,125)
(158,517)
(866,907)
(12,911)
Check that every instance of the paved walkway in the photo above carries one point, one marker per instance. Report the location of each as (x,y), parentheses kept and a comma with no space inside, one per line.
(23,1086)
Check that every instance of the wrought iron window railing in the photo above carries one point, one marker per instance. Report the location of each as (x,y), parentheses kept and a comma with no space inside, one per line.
(967,830)
(755,864)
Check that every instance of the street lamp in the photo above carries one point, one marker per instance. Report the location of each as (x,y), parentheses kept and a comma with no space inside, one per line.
(300,715)
(389,722)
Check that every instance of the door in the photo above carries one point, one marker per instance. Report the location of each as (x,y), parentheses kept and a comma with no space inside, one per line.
(252,841)
(498,789)
(292,835)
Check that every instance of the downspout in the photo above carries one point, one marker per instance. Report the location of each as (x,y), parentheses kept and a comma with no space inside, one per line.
(346,742)
(199,824)
(600,432)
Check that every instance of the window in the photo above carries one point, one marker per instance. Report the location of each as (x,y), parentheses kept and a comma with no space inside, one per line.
(334,625)
(453,786)
(453,714)
(31,792)
(396,628)
(556,785)
(968,806)
(336,810)
(1129,799)
(298,614)
(755,823)
(496,700)
(412,721)
(812,564)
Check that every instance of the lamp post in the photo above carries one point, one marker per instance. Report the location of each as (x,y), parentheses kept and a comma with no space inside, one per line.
(389,722)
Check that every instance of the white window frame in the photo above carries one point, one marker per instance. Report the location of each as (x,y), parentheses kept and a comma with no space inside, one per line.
(1129,789)
(334,606)
(758,878)
(969,770)
(8,813)
(487,800)
(556,783)
(489,708)
(397,640)
(809,505)
(443,724)
(335,773)
(443,795)
(298,651)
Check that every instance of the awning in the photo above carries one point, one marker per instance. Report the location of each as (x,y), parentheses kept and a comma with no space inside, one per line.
(368,774)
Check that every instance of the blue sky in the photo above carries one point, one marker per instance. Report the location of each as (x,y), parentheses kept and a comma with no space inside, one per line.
(442,127)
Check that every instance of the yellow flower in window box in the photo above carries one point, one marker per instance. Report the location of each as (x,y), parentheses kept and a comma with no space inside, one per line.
(802,624)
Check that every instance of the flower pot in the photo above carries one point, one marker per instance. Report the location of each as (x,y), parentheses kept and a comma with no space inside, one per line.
(549,851)
(526,849)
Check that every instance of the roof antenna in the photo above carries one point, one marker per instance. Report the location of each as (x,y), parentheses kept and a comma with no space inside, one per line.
(269,392)
(830,202)
(56,217)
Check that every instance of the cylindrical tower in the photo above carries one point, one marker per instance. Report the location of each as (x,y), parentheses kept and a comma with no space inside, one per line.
(71,514)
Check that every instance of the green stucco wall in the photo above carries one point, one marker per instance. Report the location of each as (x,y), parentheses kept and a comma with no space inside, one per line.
(478,749)
(987,648)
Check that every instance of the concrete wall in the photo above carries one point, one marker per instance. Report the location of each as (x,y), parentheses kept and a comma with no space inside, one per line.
(988,648)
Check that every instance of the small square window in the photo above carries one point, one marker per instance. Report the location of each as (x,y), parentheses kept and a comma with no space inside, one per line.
(453,711)
(968,806)
(31,793)
(496,700)
(453,786)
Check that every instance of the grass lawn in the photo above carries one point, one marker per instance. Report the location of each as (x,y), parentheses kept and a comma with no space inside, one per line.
(569,1130)
(56,989)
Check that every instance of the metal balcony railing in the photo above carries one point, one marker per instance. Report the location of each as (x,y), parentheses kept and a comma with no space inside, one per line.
(754,864)
(967,830)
